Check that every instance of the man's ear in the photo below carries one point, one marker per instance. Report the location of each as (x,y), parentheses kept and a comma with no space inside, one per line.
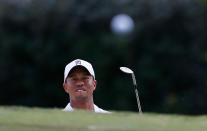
(94,84)
(65,88)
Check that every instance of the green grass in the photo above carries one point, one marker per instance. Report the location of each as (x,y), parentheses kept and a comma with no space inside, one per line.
(41,119)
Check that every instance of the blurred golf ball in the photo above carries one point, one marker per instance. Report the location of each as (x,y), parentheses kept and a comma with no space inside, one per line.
(122,24)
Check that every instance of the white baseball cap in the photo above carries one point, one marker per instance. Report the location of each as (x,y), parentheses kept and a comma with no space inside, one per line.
(78,62)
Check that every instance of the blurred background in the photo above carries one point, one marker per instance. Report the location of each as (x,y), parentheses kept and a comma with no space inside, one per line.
(166,50)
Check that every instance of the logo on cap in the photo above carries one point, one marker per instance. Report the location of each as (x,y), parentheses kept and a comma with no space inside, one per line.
(78,62)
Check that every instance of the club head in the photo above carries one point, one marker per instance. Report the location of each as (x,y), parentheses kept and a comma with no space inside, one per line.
(126,70)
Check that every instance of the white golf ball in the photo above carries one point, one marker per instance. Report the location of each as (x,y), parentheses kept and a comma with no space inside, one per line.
(122,24)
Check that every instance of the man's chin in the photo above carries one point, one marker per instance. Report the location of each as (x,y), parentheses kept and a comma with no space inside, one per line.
(81,97)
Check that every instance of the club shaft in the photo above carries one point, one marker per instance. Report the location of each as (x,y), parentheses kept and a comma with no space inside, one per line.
(138,101)
(136,92)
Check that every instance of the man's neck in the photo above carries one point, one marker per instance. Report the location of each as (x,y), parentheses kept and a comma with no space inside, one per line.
(84,105)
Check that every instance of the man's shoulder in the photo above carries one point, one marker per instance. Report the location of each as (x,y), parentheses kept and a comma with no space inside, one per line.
(99,110)
(68,108)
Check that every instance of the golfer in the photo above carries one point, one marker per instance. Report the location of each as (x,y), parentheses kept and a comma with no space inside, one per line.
(80,83)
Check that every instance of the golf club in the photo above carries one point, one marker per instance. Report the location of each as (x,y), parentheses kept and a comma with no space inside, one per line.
(129,71)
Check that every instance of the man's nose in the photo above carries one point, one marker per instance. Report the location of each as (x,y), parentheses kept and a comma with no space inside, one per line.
(79,83)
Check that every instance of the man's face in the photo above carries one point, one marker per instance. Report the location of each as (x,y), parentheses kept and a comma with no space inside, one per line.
(79,84)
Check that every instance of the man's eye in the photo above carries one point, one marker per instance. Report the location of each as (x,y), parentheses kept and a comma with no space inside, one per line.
(85,78)
(74,79)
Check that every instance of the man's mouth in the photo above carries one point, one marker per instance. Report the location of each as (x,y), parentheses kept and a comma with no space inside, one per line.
(80,90)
